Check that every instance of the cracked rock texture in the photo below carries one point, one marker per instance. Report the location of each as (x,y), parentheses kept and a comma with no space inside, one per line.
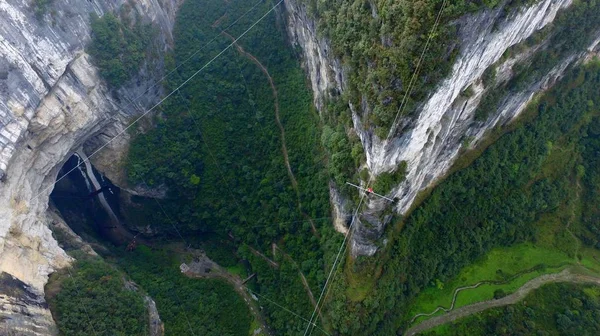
(430,142)
(51,102)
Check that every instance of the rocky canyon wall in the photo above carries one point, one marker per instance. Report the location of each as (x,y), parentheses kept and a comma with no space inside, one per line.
(52,101)
(430,142)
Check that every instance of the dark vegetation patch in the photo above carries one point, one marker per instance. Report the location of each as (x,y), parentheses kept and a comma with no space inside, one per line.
(386,181)
(186,306)
(40,7)
(218,148)
(119,45)
(92,300)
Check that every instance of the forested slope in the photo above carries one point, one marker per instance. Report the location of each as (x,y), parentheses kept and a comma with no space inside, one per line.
(219,150)
(494,202)
(381,43)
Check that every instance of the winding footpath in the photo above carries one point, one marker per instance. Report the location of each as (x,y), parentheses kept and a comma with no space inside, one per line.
(483,282)
(520,294)
(284,150)
(264,257)
(302,277)
(568,227)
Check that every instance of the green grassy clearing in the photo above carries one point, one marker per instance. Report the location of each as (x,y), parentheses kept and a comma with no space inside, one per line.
(237,270)
(553,309)
(500,264)
(555,249)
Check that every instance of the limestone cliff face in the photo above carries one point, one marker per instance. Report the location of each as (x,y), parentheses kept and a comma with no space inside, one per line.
(51,102)
(323,69)
(430,142)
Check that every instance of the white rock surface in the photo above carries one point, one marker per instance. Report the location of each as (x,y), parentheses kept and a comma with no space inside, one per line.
(421,146)
(430,143)
(51,101)
(324,71)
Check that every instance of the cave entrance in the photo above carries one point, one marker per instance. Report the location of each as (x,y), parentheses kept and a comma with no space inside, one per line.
(89,202)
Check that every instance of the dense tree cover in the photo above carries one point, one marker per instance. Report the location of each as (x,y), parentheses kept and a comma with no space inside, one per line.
(555,309)
(345,153)
(381,41)
(119,45)
(218,149)
(491,203)
(591,180)
(573,31)
(386,181)
(186,306)
(95,301)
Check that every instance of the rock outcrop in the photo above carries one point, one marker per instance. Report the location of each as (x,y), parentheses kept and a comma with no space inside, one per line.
(23,311)
(430,142)
(323,69)
(52,101)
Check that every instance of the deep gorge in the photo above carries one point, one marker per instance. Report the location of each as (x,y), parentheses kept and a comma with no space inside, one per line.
(246,164)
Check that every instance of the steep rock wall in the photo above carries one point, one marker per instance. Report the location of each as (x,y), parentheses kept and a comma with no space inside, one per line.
(323,69)
(431,142)
(326,75)
(52,100)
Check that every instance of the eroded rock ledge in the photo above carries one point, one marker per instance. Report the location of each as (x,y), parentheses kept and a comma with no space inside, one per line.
(52,101)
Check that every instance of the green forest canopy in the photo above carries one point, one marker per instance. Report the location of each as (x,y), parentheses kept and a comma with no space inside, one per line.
(119,46)
(186,306)
(218,149)
(95,301)
(218,136)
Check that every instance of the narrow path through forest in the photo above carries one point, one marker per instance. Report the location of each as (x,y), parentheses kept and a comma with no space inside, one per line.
(280,125)
(521,293)
(264,257)
(302,277)
(573,216)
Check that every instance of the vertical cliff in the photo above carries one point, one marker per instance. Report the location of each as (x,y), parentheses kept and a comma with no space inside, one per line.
(444,124)
(52,101)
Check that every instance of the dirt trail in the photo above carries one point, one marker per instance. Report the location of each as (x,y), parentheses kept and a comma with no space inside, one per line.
(219,20)
(308,291)
(483,282)
(284,150)
(521,293)
(259,254)
(204,268)
(573,216)
(302,277)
